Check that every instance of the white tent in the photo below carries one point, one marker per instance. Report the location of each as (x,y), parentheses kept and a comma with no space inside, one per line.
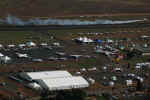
(64,83)
(92,69)
(110,41)
(84,39)
(5,59)
(21,45)
(30,44)
(111,83)
(92,81)
(34,86)
(1,45)
(129,82)
(56,44)
(43,44)
(45,74)
(11,46)
(114,78)
(22,55)
(55,80)
(140,78)
(1,55)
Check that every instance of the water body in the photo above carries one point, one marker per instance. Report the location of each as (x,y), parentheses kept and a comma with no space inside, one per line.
(12,20)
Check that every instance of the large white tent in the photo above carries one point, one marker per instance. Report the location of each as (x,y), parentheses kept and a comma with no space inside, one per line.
(45,74)
(55,80)
(64,83)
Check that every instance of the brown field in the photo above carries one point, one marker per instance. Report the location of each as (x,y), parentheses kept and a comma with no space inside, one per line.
(49,8)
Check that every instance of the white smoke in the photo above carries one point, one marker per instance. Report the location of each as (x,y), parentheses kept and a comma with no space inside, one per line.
(12,20)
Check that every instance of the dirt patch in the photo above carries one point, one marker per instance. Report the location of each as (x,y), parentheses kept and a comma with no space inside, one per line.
(41,8)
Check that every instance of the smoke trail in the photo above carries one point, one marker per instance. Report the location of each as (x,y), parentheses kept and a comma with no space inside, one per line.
(12,20)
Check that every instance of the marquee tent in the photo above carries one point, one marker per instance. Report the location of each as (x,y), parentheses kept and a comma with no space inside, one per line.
(64,83)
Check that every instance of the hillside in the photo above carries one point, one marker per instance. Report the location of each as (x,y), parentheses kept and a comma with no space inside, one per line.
(72,7)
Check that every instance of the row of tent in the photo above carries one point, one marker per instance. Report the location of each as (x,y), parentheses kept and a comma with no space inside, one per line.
(29,44)
(88,40)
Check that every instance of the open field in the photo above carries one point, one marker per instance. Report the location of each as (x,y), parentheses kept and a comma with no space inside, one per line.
(49,8)
(64,37)
(68,46)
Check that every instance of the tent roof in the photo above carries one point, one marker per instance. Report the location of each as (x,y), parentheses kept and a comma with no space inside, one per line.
(1,55)
(65,83)
(48,74)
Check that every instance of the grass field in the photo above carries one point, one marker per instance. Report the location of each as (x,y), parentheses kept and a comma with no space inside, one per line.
(16,37)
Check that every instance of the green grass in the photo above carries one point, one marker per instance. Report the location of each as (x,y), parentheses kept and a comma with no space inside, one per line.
(16,37)
(7,37)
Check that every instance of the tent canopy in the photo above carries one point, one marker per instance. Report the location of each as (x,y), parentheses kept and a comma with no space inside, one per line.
(65,83)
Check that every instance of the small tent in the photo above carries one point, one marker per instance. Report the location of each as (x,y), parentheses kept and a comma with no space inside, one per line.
(1,55)
(98,41)
(30,44)
(5,59)
(1,45)
(21,45)
(34,86)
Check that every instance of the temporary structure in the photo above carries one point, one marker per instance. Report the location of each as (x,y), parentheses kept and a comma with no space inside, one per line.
(34,86)
(11,46)
(5,59)
(114,78)
(30,44)
(45,74)
(83,40)
(43,44)
(129,82)
(56,44)
(1,45)
(21,45)
(55,80)
(92,81)
(111,83)
(1,55)
(22,55)
(64,83)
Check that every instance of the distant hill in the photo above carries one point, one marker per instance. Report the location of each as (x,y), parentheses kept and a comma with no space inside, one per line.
(71,7)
